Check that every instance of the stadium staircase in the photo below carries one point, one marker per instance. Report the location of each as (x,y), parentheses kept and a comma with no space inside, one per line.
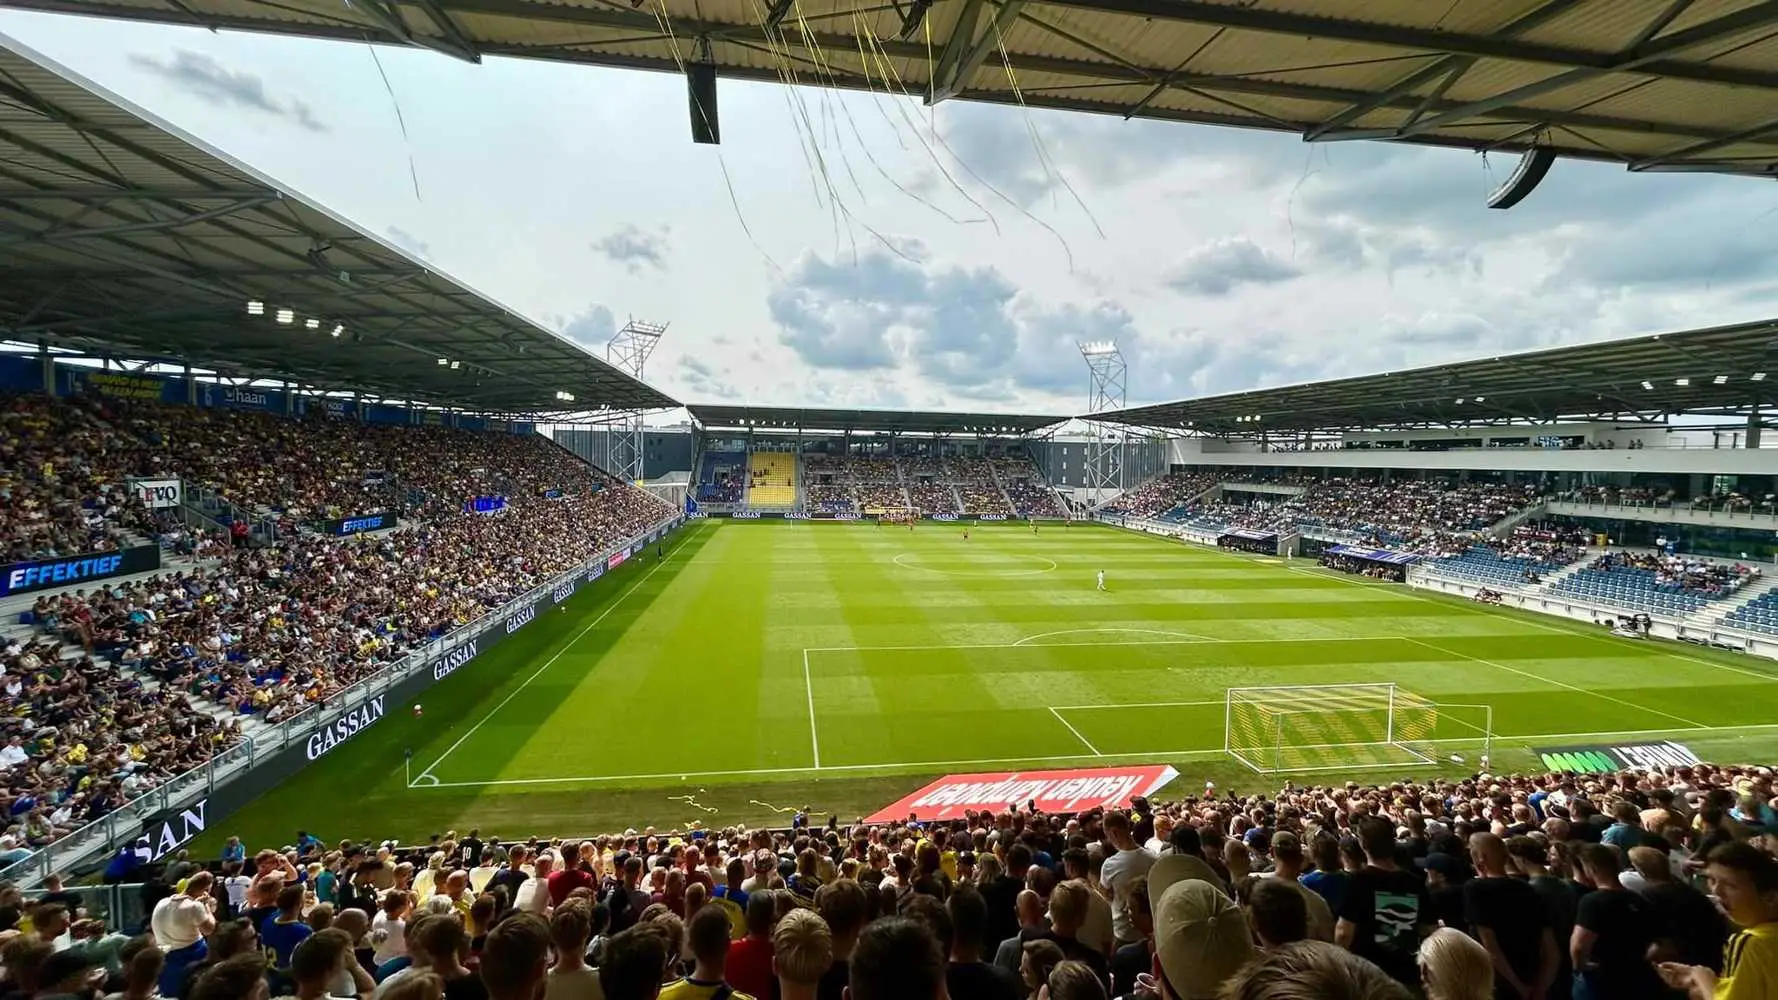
(771,480)
(1554,577)
(1504,526)
(1753,608)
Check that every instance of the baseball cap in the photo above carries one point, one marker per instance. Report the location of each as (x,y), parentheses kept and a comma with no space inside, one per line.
(1444,864)
(1172,869)
(1201,938)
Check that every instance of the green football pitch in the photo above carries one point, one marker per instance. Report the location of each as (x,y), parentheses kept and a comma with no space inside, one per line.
(763,666)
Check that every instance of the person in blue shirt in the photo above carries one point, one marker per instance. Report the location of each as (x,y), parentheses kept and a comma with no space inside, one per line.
(1627,831)
(280,934)
(234,850)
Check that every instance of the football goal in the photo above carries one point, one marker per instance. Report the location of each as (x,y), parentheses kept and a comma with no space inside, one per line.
(1330,727)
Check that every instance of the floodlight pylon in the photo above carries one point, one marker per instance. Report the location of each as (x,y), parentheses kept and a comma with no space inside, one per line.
(1106,442)
(628,351)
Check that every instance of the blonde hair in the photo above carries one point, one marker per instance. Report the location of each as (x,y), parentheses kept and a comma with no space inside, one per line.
(802,947)
(1455,967)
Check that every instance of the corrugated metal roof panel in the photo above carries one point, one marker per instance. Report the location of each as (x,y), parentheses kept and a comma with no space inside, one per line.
(1272,56)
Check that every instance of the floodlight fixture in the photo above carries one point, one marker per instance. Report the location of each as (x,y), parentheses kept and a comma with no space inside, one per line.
(338,329)
(312,323)
(1682,381)
(1758,376)
(255,307)
(286,316)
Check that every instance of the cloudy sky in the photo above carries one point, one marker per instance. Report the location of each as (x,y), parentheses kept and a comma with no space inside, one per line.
(863,250)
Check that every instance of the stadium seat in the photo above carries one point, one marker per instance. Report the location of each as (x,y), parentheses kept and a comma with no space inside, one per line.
(771,480)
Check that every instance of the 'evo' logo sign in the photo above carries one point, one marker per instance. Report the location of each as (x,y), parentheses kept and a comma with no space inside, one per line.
(449,662)
(345,727)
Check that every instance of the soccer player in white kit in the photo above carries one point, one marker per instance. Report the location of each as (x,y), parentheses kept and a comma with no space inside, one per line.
(1101,579)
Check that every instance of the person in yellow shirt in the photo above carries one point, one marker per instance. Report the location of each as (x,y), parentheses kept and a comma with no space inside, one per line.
(1745,881)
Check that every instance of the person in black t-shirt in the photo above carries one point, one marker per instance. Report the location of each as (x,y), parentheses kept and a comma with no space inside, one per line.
(1692,930)
(1612,932)
(966,975)
(1510,919)
(1386,911)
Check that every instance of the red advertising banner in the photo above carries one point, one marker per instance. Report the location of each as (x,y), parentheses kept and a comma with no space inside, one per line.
(1054,792)
(617,558)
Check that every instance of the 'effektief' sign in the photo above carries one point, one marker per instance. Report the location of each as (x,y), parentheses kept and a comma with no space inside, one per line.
(1052,791)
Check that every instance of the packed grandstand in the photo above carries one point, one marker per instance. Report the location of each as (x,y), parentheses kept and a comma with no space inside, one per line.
(1625,885)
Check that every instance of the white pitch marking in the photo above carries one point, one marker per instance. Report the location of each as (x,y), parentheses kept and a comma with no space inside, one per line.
(1193,636)
(1086,742)
(1148,754)
(546,665)
(1561,684)
(809,689)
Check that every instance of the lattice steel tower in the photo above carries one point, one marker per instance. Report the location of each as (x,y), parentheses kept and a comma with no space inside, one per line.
(1105,442)
(628,352)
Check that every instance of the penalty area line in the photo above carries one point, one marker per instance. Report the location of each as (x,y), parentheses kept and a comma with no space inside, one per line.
(613,606)
(1083,740)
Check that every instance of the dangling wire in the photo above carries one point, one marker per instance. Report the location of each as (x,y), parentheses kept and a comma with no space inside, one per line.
(413,171)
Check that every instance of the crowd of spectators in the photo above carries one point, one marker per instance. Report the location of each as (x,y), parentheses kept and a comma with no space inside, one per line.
(1679,572)
(112,686)
(1424,516)
(932,497)
(62,472)
(1547,543)
(880,496)
(1026,489)
(1634,495)
(81,738)
(1160,495)
(833,498)
(1648,884)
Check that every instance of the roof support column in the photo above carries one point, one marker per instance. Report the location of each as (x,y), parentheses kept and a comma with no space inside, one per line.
(48,361)
(1753,426)
(191,387)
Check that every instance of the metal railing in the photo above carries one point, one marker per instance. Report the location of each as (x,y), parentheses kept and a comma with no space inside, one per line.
(127,822)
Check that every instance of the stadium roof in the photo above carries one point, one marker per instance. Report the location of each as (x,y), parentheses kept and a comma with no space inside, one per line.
(1651,84)
(1720,370)
(122,235)
(784,418)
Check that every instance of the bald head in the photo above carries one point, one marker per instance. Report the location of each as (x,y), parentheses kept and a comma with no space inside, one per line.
(1030,908)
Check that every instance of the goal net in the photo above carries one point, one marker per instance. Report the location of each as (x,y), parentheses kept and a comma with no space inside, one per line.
(1328,727)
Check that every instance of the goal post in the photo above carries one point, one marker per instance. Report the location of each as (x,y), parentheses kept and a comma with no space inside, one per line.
(1330,727)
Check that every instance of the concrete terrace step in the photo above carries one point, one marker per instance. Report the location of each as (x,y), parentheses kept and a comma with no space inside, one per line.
(1711,615)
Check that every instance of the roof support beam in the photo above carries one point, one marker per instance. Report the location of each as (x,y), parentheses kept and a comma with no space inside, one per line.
(1429,40)
(95,195)
(387,14)
(973,49)
(1691,150)
(1716,30)
(1450,67)
(124,229)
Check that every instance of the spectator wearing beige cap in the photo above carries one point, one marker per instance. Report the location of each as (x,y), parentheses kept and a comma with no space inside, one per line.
(1201,937)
